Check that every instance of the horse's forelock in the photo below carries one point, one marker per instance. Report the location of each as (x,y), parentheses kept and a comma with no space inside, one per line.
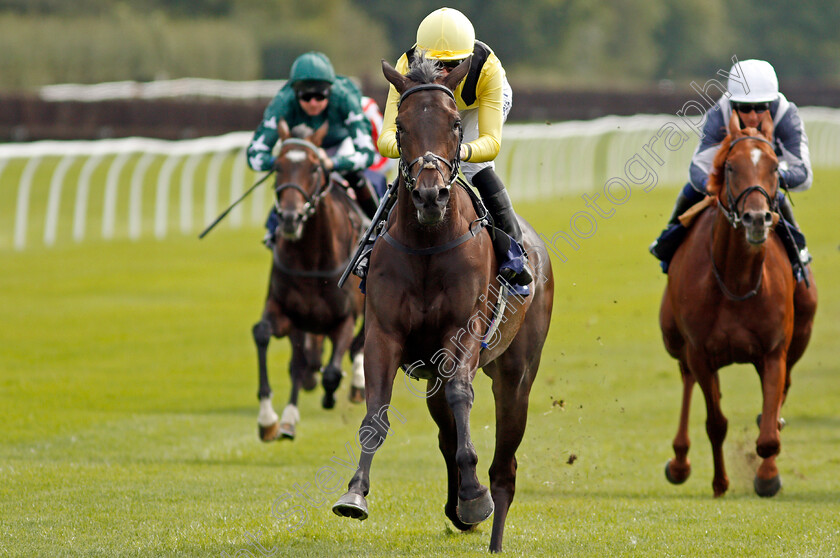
(423,70)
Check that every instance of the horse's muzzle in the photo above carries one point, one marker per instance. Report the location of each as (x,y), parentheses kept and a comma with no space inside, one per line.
(430,203)
(757,225)
(291,225)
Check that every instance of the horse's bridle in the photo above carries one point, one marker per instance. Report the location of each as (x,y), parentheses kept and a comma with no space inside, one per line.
(311,202)
(429,160)
(732,213)
(733,216)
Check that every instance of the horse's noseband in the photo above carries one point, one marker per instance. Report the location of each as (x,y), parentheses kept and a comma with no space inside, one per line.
(429,160)
(733,213)
(310,205)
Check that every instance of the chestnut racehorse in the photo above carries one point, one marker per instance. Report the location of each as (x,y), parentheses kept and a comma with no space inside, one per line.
(431,287)
(732,297)
(319,228)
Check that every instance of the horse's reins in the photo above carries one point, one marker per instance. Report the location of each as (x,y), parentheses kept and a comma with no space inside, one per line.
(733,216)
(429,160)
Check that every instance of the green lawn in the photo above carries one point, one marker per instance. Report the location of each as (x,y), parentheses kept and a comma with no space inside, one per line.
(128,410)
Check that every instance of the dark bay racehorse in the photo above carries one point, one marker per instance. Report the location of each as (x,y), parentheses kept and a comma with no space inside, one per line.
(431,288)
(319,228)
(731,297)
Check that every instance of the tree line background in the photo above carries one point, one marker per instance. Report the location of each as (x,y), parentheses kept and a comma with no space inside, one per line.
(571,44)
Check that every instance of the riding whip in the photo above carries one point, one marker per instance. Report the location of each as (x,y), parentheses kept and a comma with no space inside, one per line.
(226,211)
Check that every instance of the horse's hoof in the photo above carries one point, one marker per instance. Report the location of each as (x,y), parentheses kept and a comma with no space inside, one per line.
(476,510)
(782,422)
(767,488)
(328,401)
(269,433)
(452,514)
(676,479)
(287,431)
(351,505)
(357,395)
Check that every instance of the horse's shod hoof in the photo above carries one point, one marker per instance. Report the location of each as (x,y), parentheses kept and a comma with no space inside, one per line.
(269,433)
(676,479)
(351,505)
(328,401)
(476,510)
(767,488)
(357,395)
(287,431)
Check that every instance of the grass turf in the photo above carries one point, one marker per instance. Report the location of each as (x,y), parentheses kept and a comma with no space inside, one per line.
(127,399)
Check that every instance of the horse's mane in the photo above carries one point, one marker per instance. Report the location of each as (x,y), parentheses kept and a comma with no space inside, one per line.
(423,70)
(716,176)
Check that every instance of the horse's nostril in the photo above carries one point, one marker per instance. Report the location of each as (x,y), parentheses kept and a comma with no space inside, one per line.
(768,218)
(416,197)
(747,219)
(443,196)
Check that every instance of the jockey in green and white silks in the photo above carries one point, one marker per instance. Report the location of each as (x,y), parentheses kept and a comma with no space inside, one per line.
(313,95)
(751,89)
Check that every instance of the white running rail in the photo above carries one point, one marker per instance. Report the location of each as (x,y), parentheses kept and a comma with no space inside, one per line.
(60,190)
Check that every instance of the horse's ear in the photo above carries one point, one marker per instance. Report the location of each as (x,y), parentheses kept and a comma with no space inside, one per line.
(283,130)
(766,125)
(397,79)
(457,74)
(734,124)
(318,137)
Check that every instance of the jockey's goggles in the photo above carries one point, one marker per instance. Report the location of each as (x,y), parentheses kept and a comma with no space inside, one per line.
(747,108)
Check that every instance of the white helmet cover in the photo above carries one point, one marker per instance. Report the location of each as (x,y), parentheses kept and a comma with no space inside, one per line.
(756,82)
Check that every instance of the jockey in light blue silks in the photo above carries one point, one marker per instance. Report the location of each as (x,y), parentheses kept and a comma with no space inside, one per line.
(756,91)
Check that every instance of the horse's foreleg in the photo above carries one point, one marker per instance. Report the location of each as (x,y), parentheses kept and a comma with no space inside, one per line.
(381,361)
(678,469)
(357,384)
(474,501)
(716,423)
(341,339)
(511,398)
(272,323)
(313,351)
(447,442)
(768,444)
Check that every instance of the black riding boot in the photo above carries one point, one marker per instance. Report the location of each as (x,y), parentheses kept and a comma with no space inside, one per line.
(365,195)
(498,203)
(792,239)
(664,247)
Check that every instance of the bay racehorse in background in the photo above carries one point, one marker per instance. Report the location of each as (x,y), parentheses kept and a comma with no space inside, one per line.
(732,297)
(318,231)
(432,286)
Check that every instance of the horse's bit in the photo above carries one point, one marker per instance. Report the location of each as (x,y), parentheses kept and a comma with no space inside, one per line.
(311,203)
(429,160)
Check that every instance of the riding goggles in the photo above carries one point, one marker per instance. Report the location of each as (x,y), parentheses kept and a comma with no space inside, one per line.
(747,108)
(311,95)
